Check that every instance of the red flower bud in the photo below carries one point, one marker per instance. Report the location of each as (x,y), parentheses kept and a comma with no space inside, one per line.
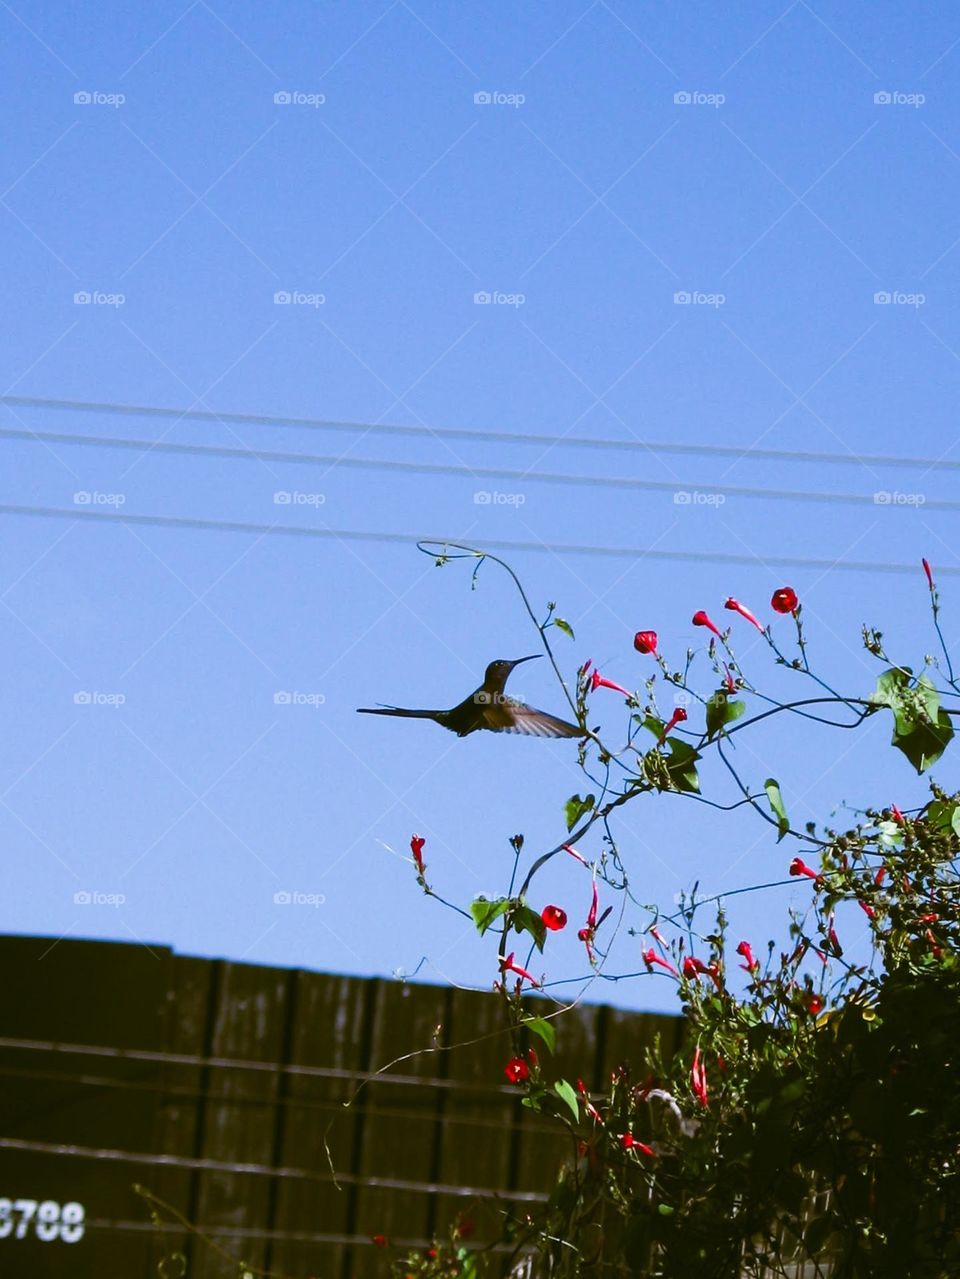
(554,918)
(784,600)
(380,1241)
(645,642)
(517,1070)
(867,909)
(744,612)
(416,847)
(698,1079)
(678,716)
(814,1004)
(929,572)
(700,618)
(751,965)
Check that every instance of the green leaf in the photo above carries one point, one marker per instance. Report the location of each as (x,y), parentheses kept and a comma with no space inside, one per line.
(545,1029)
(921,729)
(567,1093)
(681,765)
(772,787)
(525,920)
(722,711)
(575,808)
(564,626)
(485,912)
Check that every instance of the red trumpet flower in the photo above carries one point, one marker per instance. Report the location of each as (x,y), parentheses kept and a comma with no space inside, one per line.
(650,957)
(701,618)
(416,847)
(751,965)
(698,1079)
(799,867)
(784,600)
(645,642)
(736,607)
(629,1142)
(597,681)
(554,918)
(678,716)
(508,966)
(517,1070)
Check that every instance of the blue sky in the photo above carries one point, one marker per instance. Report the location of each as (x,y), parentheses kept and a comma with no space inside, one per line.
(780,165)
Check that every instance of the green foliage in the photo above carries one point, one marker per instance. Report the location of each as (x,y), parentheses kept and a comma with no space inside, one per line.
(576,808)
(486,912)
(921,728)
(722,709)
(772,787)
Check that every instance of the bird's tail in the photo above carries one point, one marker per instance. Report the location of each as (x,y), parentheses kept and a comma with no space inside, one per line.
(397,710)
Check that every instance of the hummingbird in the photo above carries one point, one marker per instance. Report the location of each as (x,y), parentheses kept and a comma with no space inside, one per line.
(489,707)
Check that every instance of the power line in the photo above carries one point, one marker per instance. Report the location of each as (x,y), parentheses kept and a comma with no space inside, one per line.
(639,446)
(555,548)
(332,462)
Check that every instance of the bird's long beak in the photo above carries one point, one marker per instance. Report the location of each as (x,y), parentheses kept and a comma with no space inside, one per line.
(525,659)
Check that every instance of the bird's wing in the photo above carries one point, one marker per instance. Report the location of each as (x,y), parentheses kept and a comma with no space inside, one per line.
(516,717)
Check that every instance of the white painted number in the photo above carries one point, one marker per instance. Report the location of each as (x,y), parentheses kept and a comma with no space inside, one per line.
(49,1220)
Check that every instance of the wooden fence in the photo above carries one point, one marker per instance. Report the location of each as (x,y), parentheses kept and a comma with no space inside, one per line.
(220,1087)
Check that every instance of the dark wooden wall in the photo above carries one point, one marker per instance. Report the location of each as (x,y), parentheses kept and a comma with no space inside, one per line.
(219,1086)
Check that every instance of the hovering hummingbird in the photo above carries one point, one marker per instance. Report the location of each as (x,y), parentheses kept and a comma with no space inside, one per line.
(489,707)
